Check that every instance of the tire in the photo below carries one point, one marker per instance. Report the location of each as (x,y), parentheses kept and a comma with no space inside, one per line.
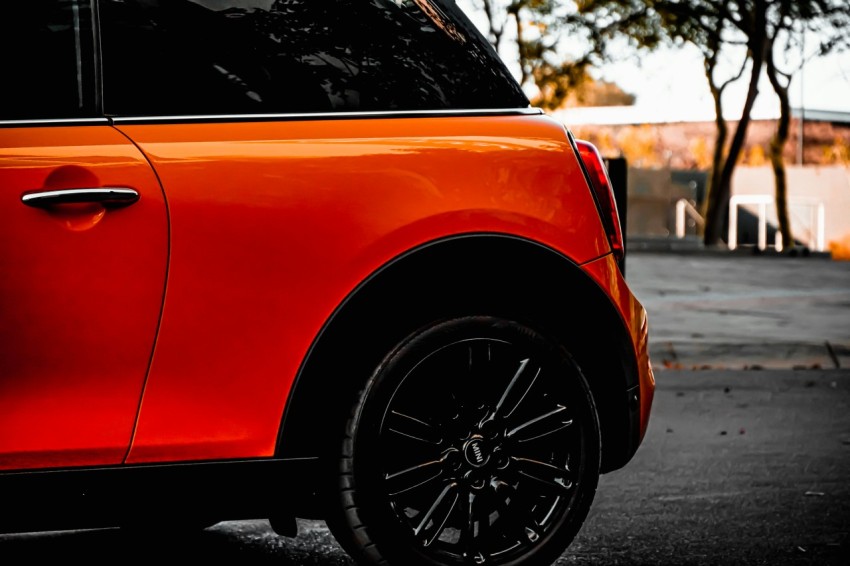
(475,441)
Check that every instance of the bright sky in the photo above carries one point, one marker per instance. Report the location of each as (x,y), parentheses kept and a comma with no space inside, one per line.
(674,81)
(670,84)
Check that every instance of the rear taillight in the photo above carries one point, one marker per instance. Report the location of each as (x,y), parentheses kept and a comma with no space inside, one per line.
(604,192)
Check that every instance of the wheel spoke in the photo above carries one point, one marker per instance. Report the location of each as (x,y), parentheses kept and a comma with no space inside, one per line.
(543,425)
(480,358)
(517,389)
(459,376)
(467,389)
(467,533)
(451,422)
(551,479)
(472,541)
(484,533)
(515,516)
(434,521)
(413,428)
(413,477)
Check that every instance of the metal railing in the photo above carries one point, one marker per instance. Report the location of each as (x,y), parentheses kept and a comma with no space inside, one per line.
(684,209)
(816,216)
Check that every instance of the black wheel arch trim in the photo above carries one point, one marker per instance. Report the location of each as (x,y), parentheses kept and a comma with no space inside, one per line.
(475,273)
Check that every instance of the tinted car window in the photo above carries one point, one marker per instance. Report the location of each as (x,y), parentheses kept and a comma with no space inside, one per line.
(172,57)
(47,60)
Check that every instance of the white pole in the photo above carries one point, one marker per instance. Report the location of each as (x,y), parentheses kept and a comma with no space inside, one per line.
(802,119)
(680,218)
(733,223)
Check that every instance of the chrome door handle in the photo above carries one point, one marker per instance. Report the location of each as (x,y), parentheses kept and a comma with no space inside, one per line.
(107,196)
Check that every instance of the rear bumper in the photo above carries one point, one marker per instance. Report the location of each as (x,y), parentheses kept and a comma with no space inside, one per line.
(607,275)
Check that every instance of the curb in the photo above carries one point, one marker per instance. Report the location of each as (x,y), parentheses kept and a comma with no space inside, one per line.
(689,246)
(787,355)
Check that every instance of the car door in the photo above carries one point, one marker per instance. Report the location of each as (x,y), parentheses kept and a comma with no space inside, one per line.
(83,251)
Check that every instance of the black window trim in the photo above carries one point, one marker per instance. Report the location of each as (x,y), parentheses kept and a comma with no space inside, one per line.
(46,122)
(302,117)
(98,56)
(305,117)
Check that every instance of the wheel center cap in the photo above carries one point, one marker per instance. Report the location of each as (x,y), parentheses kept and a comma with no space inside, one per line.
(475,452)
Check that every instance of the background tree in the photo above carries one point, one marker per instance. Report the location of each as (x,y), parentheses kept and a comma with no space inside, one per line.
(535,28)
(789,21)
(593,92)
(718,28)
(714,26)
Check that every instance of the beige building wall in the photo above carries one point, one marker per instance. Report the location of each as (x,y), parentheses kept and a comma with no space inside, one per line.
(808,187)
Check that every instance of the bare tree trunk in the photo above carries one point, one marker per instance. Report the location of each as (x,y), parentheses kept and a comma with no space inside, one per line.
(718,203)
(496,29)
(522,48)
(777,146)
(722,134)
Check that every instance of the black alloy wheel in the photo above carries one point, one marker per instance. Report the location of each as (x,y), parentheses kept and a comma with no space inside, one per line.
(475,442)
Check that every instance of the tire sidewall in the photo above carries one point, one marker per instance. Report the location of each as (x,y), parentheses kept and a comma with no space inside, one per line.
(392,539)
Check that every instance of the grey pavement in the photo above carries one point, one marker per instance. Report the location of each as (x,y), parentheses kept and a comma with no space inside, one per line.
(738,468)
(734,311)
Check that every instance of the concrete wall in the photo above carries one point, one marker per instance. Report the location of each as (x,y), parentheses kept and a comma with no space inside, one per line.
(653,193)
(807,186)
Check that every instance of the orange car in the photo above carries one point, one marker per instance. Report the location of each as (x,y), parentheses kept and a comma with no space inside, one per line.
(278,259)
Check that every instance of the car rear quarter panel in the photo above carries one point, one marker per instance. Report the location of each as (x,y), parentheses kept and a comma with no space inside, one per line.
(609,277)
(273,224)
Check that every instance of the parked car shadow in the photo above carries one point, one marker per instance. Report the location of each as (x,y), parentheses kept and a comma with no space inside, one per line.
(240,542)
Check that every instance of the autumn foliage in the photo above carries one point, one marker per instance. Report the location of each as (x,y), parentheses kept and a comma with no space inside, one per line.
(689,145)
(840,248)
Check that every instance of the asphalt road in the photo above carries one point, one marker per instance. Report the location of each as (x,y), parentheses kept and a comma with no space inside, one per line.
(739,466)
(736,312)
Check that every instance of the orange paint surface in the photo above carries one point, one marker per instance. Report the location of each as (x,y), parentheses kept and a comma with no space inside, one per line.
(605,272)
(274,224)
(80,297)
